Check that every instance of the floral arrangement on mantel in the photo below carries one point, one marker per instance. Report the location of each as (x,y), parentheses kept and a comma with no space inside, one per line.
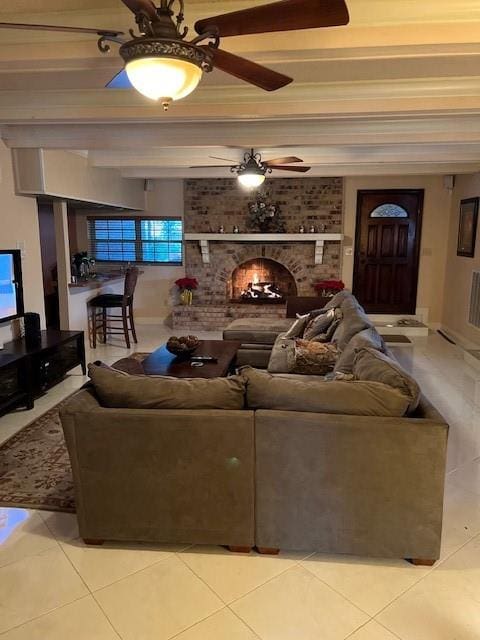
(328,288)
(265,216)
(186,286)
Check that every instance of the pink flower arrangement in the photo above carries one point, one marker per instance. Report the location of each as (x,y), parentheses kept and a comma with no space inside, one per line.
(187,283)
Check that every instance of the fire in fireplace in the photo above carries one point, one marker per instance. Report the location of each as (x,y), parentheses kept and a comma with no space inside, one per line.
(256,290)
(261,281)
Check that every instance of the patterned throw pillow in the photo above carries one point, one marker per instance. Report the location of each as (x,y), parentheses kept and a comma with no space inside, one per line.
(314,358)
(319,324)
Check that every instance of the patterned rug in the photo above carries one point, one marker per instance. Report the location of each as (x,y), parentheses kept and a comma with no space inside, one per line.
(35,468)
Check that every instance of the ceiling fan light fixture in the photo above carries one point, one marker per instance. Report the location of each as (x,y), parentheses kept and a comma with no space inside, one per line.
(163,79)
(162,69)
(251,180)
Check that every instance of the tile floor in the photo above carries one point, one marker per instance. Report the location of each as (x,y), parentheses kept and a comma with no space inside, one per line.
(54,588)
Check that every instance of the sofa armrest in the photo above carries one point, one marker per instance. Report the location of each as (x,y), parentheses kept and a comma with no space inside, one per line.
(350,484)
(162,475)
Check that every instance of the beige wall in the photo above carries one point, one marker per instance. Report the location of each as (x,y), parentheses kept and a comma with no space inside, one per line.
(155,289)
(69,176)
(19,224)
(435,228)
(459,269)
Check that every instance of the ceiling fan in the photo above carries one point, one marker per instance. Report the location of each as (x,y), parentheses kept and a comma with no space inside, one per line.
(162,65)
(252,171)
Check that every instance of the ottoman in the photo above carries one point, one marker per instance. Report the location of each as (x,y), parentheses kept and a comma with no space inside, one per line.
(257,336)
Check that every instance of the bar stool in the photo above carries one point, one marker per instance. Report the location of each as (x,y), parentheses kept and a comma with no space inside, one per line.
(100,304)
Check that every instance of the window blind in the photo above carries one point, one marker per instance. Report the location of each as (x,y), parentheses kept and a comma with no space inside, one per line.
(144,240)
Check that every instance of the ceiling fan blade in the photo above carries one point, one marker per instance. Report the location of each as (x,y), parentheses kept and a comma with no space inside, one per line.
(287,15)
(56,27)
(137,6)
(297,169)
(286,160)
(226,159)
(120,81)
(248,71)
(210,166)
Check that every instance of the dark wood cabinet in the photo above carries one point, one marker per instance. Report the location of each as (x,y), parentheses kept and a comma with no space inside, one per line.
(26,371)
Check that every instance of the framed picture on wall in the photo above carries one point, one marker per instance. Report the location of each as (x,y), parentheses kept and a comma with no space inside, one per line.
(467,227)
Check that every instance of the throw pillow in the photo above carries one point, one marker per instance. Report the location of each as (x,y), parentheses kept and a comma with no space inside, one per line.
(328,336)
(298,327)
(265,391)
(120,390)
(314,357)
(372,365)
(281,355)
(319,324)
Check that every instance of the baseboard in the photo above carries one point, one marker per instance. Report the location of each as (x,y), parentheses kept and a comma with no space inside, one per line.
(459,339)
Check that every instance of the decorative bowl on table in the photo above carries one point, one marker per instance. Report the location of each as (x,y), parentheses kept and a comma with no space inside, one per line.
(182,347)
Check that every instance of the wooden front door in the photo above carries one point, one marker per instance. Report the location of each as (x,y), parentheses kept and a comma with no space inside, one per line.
(387,248)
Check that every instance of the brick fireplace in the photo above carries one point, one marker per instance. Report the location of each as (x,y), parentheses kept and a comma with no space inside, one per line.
(291,266)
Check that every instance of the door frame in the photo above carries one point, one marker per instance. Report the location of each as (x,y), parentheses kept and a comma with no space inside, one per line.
(418,230)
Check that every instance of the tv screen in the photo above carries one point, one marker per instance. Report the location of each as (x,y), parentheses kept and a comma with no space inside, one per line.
(11,291)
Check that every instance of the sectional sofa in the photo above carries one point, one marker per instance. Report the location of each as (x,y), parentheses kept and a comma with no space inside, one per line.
(352,462)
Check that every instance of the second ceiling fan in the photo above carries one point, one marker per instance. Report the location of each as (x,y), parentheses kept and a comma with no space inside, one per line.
(252,171)
(161,64)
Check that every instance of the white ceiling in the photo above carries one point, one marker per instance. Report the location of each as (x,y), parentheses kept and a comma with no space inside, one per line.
(396,91)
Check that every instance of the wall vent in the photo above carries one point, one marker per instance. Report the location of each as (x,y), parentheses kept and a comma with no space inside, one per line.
(474,311)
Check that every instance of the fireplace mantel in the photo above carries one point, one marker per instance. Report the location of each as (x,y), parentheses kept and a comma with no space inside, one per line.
(318,239)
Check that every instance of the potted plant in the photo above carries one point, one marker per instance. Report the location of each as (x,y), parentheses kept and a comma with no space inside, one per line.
(186,286)
(328,288)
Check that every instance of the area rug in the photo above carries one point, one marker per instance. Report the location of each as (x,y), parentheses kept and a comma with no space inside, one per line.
(35,468)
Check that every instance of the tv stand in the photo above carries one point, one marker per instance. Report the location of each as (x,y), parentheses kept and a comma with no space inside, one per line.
(27,371)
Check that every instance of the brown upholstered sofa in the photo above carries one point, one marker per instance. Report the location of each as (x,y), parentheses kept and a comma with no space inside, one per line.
(354,465)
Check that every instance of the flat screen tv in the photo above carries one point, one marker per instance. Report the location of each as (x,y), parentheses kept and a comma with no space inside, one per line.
(11,288)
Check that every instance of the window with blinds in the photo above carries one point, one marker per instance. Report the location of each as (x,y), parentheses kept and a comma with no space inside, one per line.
(147,240)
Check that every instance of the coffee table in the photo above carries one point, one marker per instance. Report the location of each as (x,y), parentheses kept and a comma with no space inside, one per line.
(163,363)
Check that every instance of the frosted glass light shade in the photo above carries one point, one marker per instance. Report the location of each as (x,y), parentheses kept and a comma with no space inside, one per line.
(251,180)
(163,79)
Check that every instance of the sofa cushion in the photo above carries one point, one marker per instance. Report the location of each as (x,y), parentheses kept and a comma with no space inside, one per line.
(366,338)
(298,327)
(120,390)
(318,324)
(256,330)
(371,365)
(354,320)
(337,299)
(313,357)
(361,398)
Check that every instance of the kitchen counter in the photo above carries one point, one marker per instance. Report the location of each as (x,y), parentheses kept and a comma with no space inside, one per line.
(99,281)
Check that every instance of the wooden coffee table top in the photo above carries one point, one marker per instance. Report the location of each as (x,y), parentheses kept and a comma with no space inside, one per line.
(163,363)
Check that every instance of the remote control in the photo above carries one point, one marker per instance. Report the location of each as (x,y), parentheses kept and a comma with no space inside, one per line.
(203,359)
